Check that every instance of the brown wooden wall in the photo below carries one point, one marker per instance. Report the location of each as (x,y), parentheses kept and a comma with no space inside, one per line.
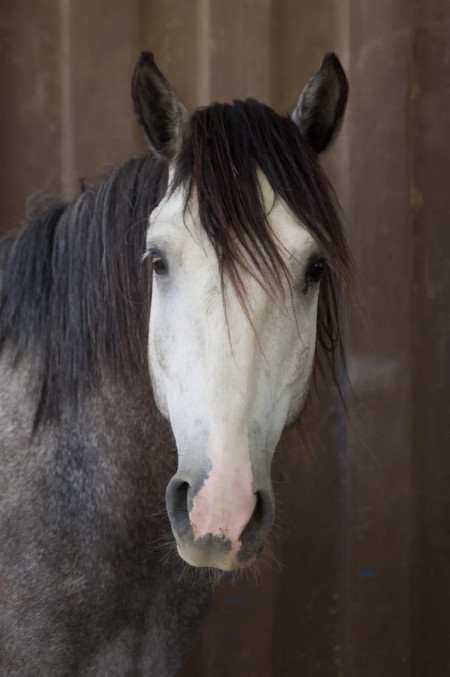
(362,583)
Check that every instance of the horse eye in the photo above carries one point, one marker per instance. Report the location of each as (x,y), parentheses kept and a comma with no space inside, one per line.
(314,273)
(158,263)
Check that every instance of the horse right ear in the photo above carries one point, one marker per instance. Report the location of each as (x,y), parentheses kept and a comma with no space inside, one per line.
(321,106)
(160,114)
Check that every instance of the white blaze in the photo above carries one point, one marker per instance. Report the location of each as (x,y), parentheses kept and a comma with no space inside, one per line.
(227,387)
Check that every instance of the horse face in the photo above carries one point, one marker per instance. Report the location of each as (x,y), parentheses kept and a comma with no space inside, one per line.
(229,378)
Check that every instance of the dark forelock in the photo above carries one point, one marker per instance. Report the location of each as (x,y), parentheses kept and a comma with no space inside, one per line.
(226,146)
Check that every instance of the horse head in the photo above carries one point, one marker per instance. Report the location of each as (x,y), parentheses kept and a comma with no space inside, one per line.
(239,243)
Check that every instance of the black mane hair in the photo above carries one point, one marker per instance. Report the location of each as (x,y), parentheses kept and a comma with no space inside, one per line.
(74,291)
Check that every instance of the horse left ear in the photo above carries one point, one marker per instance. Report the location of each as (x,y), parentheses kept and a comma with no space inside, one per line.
(160,113)
(321,106)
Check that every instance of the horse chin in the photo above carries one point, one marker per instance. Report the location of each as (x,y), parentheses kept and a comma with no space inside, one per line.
(223,562)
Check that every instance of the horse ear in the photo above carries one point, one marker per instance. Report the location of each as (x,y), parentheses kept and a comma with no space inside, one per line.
(160,114)
(320,108)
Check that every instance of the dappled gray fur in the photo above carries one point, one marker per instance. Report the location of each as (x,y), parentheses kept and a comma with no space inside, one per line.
(87,585)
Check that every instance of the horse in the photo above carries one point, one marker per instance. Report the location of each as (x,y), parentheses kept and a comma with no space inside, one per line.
(157,335)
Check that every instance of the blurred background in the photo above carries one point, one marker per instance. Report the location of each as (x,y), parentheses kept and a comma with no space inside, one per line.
(360,586)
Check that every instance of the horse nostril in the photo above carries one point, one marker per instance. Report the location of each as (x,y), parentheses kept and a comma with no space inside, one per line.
(257,517)
(257,527)
(177,505)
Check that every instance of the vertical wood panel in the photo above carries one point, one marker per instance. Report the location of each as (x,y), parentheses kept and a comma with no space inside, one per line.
(171,29)
(379,56)
(430,336)
(30,86)
(240,49)
(102,50)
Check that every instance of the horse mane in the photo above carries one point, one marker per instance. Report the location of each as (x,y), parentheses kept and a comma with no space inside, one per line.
(75,292)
